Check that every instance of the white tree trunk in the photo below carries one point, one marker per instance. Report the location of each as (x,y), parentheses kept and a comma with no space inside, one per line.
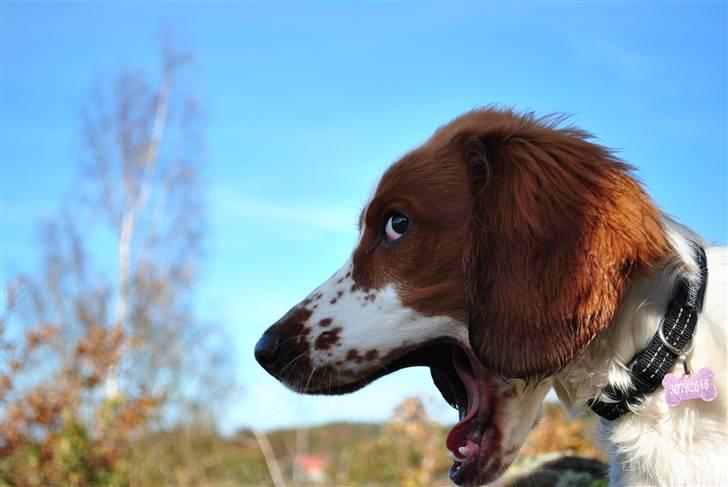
(134,205)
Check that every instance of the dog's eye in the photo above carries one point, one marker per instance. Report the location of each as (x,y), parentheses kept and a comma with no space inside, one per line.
(396,226)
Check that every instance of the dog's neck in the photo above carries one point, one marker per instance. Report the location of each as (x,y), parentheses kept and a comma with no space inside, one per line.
(653,445)
(604,361)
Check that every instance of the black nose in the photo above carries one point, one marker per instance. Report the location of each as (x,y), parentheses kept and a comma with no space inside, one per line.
(267,349)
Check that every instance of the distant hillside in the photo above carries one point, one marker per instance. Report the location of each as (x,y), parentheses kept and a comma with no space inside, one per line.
(407,450)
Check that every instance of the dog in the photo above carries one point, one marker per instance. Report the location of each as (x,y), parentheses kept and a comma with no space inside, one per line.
(511,255)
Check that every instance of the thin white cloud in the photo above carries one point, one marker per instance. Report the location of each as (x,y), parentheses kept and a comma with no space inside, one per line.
(318,217)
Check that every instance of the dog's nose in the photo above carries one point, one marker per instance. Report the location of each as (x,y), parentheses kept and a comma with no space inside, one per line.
(267,349)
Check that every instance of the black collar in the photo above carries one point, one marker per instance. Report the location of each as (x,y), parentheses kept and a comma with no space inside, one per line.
(649,366)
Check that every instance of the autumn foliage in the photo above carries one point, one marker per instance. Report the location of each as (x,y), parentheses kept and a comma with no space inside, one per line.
(556,433)
(100,345)
(51,434)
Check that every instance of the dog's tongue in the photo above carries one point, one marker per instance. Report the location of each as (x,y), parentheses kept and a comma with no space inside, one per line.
(458,436)
(457,440)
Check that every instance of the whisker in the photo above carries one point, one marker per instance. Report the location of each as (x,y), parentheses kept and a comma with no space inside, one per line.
(295,359)
(294,337)
(310,376)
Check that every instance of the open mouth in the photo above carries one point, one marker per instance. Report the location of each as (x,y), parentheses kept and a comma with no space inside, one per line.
(473,440)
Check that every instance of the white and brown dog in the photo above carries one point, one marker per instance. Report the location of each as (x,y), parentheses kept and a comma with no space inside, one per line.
(511,255)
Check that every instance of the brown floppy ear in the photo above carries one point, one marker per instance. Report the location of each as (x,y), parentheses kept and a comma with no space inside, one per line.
(558,227)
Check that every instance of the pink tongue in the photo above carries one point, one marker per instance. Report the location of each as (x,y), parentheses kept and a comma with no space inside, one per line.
(458,436)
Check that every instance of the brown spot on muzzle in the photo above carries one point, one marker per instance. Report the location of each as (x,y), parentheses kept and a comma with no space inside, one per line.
(328,339)
(293,323)
(371,354)
(353,356)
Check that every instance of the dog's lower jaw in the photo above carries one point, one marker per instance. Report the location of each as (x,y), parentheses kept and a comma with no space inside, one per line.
(499,416)
(658,445)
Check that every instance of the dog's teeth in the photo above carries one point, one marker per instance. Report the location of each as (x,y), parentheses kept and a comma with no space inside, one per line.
(464,450)
(456,456)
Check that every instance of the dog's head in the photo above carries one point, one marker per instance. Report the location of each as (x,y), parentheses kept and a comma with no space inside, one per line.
(492,254)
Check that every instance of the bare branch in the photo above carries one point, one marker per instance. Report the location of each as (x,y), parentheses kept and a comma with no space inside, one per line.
(270,458)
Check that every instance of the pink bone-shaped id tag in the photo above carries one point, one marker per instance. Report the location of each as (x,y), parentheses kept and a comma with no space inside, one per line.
(691,386)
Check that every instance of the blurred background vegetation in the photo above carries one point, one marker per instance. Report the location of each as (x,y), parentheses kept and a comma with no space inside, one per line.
(109,377)
(101,348)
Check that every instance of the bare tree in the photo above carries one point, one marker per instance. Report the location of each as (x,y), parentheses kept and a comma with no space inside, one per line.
(141,148)
(111,307)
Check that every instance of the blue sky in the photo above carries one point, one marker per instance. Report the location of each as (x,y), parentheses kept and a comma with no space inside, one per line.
(306,104)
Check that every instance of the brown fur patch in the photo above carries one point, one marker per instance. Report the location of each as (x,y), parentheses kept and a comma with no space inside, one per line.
(429,186)
(328,339)
(325,322)
(293,323)
(558,227)
(371,354)
(353,356)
